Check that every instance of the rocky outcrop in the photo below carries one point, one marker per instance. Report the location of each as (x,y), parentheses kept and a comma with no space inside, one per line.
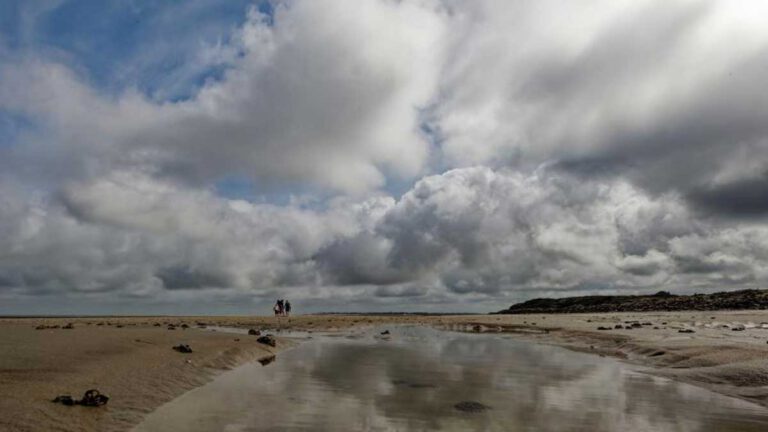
(661,301)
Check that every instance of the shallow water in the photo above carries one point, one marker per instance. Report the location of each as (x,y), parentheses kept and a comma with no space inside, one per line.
(413,380)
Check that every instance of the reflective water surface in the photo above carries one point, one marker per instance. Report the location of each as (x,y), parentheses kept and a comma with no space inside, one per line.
(413,379)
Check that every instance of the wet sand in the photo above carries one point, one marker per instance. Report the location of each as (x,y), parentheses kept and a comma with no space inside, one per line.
(135,365)
(713,355)
(421,379)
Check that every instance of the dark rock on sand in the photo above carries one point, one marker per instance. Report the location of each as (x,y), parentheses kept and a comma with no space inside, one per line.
(686,331)
(267,360)
(182,348)
(91,398)
(267,340)
(413,385)
(94,398)
(471,407)
(254,332)
(64,399)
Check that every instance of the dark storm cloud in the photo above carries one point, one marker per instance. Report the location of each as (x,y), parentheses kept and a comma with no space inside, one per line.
(742,198)
(359,260)
(174,278)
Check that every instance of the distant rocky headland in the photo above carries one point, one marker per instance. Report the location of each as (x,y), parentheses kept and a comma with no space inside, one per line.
(661,301)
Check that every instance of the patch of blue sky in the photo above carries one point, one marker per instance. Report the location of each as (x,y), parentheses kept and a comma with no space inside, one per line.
(236,187)
(10,24)
(11,126)
(267,8)
(152,46)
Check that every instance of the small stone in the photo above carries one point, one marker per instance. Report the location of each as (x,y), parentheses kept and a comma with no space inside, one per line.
(267,360)
(182,348)
(94,398)
(471,407)
(267,340)
(64,399)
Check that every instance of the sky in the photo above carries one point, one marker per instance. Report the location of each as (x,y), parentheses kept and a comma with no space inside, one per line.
(209,157)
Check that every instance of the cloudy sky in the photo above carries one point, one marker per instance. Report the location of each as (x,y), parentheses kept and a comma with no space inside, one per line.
(437,155)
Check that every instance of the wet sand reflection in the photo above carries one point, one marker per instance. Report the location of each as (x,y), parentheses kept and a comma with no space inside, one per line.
(415,379)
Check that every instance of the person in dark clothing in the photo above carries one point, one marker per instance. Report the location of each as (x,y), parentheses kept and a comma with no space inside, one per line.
(287,308)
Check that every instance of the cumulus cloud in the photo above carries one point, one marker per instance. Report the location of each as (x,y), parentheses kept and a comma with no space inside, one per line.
(470,234)
(317,97)
(666,95)
(476,230)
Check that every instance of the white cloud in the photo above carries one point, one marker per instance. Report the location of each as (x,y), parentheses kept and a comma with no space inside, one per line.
(667,95)
(319,97)
(465,235)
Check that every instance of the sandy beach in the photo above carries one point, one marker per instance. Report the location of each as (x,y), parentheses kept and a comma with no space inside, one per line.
(131,359)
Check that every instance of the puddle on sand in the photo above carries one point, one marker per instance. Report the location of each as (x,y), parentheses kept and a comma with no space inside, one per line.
(423,379)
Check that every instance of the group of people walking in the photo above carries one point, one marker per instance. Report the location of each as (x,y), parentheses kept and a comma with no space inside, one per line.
(282,308)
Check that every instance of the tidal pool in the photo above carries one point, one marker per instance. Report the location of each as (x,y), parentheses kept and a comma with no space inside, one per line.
(415,378)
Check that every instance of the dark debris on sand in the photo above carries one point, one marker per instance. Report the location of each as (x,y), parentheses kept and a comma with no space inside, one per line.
(471,407)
